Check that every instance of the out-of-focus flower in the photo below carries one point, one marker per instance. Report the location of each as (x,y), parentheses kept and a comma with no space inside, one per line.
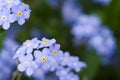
(86,26)
(89,28)
(70,11)
(103,2)
(103,42)
(7,65)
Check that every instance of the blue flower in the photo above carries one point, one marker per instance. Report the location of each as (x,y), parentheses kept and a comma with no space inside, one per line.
(76,64)
(39,74)
(65,60)
(62,73)
(11,11)
(31,44)
(72,76)
(22,12)
(46,42)
(70,11)
(5,18)
(86,26)
(44,58)
(11,3)
(103,42)
(55,50)
(27,47)
(27,64)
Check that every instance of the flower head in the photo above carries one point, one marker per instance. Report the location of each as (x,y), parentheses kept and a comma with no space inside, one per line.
(27,64)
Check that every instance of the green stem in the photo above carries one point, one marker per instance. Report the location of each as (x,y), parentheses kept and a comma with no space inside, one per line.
(19,76)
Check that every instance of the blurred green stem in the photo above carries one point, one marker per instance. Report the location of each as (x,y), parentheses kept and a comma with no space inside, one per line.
(19,76)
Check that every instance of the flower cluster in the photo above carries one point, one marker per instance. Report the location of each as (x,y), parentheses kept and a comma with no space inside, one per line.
(11,11)
(7,65)
(46,55)
(100,38)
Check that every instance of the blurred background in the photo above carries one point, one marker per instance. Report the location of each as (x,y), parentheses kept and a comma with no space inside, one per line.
(86,28)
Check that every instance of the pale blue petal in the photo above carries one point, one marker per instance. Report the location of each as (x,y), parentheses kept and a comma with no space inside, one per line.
(6,25)
(29,71)
(21,21)
(21,67)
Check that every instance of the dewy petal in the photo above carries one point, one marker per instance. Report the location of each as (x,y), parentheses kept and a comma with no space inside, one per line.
(29,71)
(21,67)
(6,25)
(21,21)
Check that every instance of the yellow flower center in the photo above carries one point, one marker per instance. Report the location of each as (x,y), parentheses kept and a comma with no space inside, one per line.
(75,64)
(55,63)
(29,43)
(9,1)
(54,52)
(43,59)
(27,64)
(64,72)
(19,13)
(45,41)
(66,59)
(3,18)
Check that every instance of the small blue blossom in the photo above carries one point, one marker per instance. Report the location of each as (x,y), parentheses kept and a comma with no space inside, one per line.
(27,64)
(70,11)
(65,59)
(39,74)
(27,47)
(72,76)
(103,42)
(7,65)
(76,64)
(44,58)
(46,42)
(55,50)
(11,11)
(22,12)
(86,26)
(5,18)
(62,73)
